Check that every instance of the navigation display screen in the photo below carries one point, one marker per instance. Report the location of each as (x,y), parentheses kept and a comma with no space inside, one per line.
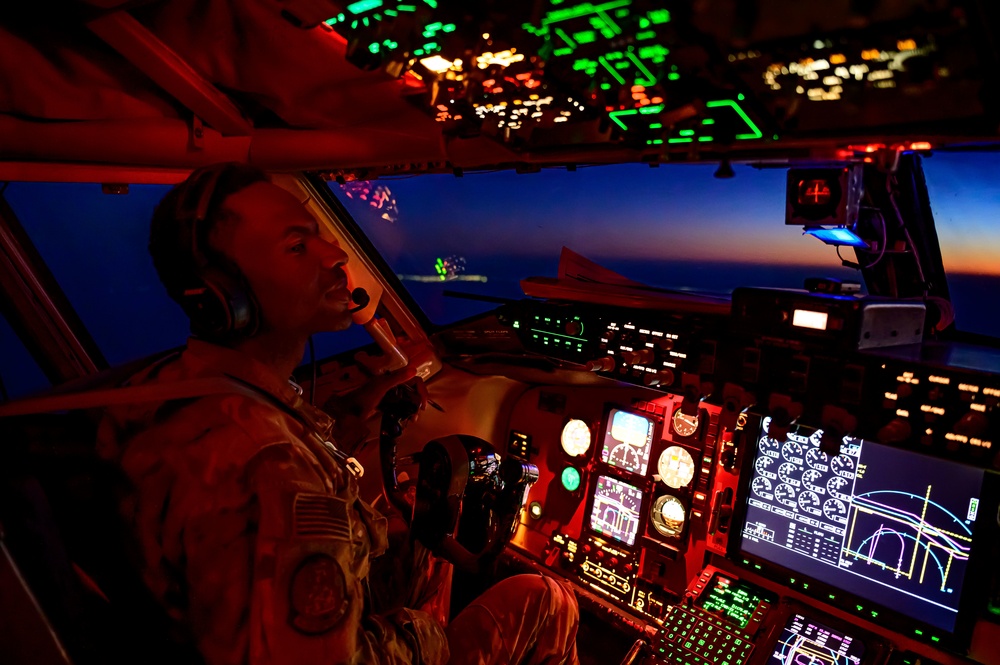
(628,440)
(807,641)
(888,525)
(615,512)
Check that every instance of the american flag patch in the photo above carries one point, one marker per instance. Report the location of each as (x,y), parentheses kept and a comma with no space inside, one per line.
(322,516)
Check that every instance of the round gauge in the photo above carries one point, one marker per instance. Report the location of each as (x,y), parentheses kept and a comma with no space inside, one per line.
(843,466)
(810,478)
(836,486)
(787,472)
(769,446)
(809,503)
(792,452)
(668,515)
(675,466)
(684,424)
(835,510)
(761,486)
(817,459)
(575,438)
(785,495)
(763,466)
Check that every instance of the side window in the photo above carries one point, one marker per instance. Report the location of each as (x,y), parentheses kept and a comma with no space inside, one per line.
(19,373)
(95,244)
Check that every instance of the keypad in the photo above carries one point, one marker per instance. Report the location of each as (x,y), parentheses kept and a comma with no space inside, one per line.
(692,636)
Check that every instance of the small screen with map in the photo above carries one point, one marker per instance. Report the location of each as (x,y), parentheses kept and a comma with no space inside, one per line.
(628,439)
(884,524)
(806,641)
(615,512)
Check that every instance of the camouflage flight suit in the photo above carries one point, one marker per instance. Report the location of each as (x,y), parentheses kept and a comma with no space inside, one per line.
(254,537)
(251,534)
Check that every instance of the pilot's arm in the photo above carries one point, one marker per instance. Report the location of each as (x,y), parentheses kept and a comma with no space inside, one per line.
(310,557)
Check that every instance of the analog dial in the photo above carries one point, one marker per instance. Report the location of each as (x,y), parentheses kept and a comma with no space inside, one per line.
(675,466)
(684,424)
(668,515)
(575,438)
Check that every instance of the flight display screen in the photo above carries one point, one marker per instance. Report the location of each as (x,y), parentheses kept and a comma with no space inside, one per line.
(615,512)
(735,600)
(884,524)
(806,641)
(628,440)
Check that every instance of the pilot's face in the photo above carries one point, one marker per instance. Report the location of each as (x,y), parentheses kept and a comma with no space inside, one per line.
(297,276)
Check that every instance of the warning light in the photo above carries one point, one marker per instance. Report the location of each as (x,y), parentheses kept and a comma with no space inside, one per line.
(570,478)
(920,145)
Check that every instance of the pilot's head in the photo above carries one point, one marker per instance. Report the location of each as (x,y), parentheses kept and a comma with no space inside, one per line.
(244,257)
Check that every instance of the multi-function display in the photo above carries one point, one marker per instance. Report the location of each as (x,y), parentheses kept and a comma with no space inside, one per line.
(615,512)
(888,525)
(628,439)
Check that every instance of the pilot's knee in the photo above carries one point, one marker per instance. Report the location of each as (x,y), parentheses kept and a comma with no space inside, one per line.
(554,599)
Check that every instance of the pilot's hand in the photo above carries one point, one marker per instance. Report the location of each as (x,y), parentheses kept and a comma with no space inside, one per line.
(351,411)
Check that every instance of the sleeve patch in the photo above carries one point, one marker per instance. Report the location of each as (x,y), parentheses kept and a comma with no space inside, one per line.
(318,595)
(323,516)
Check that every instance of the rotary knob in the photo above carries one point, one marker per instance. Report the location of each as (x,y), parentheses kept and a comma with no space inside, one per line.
(896,430)
(641,357)
(603,364)
(573,328)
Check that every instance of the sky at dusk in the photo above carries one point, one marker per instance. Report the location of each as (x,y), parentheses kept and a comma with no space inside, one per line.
(672,213)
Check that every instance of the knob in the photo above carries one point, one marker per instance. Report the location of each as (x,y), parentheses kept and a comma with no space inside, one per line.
(613,561)
(665,343)
(640,357)
(602,364)
(896,430)
(662,378)
(573,328)
(974,423)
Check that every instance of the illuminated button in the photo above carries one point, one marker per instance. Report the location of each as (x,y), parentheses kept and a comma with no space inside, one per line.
(570,478)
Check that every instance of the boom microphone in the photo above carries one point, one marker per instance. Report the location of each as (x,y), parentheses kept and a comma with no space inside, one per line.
(361,297)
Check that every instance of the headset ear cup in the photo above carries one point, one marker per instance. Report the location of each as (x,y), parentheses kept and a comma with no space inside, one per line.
(222,306)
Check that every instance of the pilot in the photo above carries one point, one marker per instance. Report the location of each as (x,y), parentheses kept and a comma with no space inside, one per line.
(248,521)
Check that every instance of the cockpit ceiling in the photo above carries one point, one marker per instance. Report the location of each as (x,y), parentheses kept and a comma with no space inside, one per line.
(405,85)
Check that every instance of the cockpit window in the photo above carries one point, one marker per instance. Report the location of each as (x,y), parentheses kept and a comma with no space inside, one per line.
(675,227)
(965,199)
(95,245)
(19,373)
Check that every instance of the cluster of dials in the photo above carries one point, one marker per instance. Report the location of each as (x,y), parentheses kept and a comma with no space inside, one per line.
(627,446)
(797,475)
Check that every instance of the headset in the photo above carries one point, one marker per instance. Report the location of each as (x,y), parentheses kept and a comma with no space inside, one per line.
(217,299)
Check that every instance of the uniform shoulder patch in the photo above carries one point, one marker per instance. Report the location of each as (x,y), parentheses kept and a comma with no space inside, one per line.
(318,597)
(319,515)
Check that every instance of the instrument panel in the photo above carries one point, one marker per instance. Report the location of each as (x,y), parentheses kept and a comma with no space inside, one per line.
(758,517)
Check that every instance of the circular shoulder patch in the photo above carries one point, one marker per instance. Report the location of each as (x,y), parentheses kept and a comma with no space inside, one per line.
(318,595)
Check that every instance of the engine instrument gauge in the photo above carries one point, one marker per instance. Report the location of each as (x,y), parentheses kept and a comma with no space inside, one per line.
(575,438)
(769,446)
(786,472)
(809,502)
(763,466)
(685,424)
(675,466)
(792,452)
(835,510)
(843,466)
(668,515)
(817,459)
